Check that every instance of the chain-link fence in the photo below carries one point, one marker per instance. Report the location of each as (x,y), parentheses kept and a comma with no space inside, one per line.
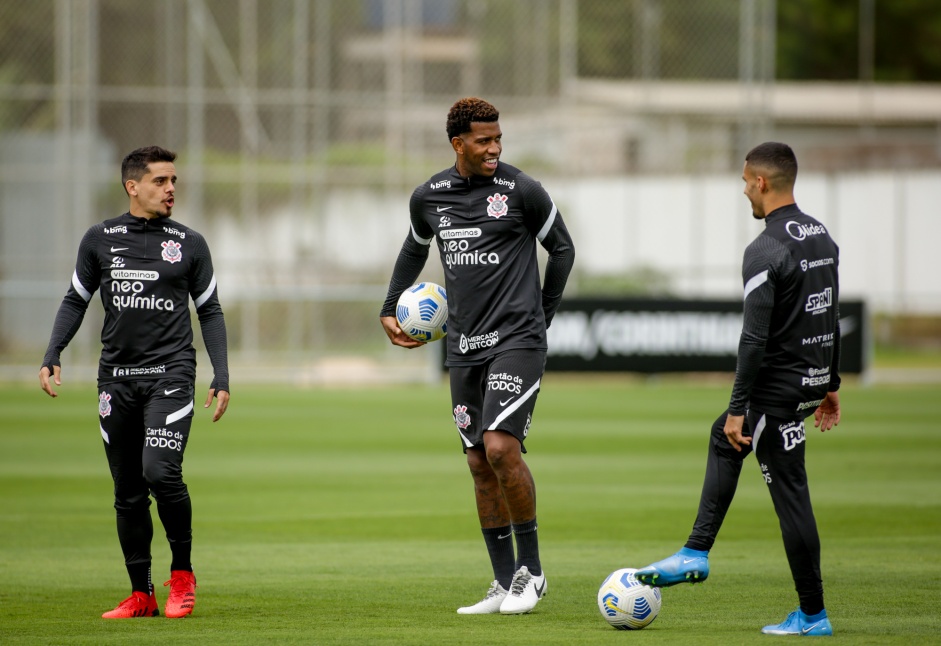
(303,125)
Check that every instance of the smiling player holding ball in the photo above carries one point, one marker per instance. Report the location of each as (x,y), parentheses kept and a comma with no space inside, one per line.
(487,217)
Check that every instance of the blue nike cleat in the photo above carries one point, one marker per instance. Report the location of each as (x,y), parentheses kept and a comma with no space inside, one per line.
(797,623)
(685,566)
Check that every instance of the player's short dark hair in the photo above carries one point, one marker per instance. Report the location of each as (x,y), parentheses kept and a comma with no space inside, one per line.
(135,162)
(777,160)
(465,112)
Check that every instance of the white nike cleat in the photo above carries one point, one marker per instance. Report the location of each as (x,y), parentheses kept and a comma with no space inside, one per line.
(489,605)
(525,592)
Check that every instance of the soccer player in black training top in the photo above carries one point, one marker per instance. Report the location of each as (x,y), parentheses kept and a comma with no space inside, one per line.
(788,361)
(147,267)
(487,217)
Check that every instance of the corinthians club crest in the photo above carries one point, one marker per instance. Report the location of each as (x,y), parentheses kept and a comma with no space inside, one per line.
(104,404)
(497,206)
(171,251)
(461,418)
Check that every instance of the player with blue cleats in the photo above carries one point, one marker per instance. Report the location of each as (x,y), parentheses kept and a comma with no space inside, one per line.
(799,623)
(686,566)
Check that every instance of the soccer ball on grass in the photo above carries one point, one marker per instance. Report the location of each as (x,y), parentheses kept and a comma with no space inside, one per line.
(422,312)
(626,603)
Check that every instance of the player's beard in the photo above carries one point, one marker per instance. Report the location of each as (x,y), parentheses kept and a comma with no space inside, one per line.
(755,211)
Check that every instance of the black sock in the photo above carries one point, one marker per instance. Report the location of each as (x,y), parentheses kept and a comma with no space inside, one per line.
(527,547)
(499,542)
(180,555)
(140,577)
(812,604)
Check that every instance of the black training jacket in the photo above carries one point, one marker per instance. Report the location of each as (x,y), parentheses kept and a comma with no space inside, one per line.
(487,229)
(147,271)
(790,346)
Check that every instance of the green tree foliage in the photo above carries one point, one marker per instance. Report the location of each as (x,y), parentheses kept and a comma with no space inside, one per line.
(908,40)
(819,40)
(816,39)
(604,39)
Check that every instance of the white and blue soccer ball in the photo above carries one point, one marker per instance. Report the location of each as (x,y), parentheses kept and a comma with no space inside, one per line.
(626,603)
(422,312)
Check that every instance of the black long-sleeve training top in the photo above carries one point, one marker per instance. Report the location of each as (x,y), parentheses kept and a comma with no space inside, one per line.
(789,352)
(487,229)
(146,270)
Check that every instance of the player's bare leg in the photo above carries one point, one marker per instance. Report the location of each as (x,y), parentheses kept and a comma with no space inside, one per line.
(516,481)
(491,505)
(504,455)
(498,534)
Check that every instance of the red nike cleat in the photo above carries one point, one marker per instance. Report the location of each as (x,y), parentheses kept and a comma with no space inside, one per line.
(139,604)
(182,594)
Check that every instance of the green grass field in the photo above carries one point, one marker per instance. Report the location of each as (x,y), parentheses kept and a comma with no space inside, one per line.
(346,517)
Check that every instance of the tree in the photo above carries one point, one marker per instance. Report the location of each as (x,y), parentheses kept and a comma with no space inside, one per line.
(819,40)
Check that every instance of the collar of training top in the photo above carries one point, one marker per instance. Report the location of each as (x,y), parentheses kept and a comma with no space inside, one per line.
(474,180)
(782,212)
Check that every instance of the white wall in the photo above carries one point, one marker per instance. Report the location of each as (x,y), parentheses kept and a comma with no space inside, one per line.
(695,228)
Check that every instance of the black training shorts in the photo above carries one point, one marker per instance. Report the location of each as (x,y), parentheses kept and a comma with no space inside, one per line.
(499,394)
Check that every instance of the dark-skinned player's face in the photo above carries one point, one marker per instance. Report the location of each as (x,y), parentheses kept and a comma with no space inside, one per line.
(478,151)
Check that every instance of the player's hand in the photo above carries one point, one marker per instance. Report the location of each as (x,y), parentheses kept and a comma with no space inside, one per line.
(44,379)
(222,402)
(733,432)
(396,335)
(827,414)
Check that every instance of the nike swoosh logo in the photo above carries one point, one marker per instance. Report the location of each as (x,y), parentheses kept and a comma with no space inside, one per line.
(539,591)
(115,249)
(811,627)
(685,561)
(502,537)
(506,402)
(444,208)
(170,392)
